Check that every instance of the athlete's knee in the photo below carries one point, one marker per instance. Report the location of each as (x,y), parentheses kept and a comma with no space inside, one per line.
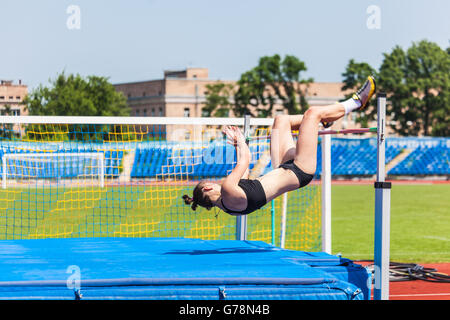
(281,121)
(314,113)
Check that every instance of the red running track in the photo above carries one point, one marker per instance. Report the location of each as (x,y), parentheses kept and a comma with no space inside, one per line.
(398,182)
(419,289)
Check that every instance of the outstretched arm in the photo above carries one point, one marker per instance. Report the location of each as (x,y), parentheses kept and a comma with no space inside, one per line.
(236,138)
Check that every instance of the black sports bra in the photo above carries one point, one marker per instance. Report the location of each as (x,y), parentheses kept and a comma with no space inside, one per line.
(256,197)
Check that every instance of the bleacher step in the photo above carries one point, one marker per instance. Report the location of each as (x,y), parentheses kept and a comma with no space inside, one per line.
(127,162)
(399,158)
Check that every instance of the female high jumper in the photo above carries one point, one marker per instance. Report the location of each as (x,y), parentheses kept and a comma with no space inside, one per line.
(238,195)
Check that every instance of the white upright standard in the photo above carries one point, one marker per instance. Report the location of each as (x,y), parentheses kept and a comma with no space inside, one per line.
(382,209)
(241,221)
(326,193)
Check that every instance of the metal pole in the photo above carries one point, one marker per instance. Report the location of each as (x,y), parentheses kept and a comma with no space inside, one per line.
(382,209)
(241,221)
(283,220)
(326,193)
(272,212)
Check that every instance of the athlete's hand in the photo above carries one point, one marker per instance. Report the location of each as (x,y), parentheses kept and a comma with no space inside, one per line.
(234,135)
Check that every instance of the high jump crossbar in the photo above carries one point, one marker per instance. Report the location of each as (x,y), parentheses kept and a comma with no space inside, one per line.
(347,131)
(326,132)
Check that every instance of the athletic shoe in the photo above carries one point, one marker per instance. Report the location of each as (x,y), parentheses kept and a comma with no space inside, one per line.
(326,124)
(366,92)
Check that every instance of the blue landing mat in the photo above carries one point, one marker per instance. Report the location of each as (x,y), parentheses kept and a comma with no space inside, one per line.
(173,268)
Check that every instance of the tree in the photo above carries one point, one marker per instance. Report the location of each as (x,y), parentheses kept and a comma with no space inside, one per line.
(218,100)
(272,80)
(73,95)
(355,75)
(6,129)
(416,82)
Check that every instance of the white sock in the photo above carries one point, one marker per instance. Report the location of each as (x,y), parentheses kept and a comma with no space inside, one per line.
(350,105)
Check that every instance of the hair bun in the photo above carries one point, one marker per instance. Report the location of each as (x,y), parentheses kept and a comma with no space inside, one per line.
(187,199)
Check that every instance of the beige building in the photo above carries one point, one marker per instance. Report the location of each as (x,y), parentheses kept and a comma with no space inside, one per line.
(11,98)
(182,94)
(178,94)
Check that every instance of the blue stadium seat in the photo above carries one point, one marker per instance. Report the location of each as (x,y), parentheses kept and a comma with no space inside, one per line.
(425,160)
(350,157)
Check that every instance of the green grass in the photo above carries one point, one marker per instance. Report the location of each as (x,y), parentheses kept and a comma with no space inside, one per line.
(420,218)
(420,222)
(116,211)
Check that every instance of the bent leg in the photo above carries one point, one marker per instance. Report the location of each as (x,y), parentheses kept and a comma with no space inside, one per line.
(282,145)
(306,150)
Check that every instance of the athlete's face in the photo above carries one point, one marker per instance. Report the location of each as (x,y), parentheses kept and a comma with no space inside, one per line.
(211,188)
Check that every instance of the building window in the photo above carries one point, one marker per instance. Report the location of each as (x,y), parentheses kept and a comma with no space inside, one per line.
(279,111)
(145,112)
(160,112)
(17,98)
(187,112)
(137,112)
(13,112)
(153,112)
(11,98)
(205,113)
(2,97)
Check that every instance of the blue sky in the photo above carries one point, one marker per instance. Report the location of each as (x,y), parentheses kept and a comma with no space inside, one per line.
(137,39)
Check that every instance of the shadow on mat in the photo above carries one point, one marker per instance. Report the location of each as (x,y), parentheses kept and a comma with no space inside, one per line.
(220,251)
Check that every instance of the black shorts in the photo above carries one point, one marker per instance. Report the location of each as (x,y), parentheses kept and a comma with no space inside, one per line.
(303,178)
